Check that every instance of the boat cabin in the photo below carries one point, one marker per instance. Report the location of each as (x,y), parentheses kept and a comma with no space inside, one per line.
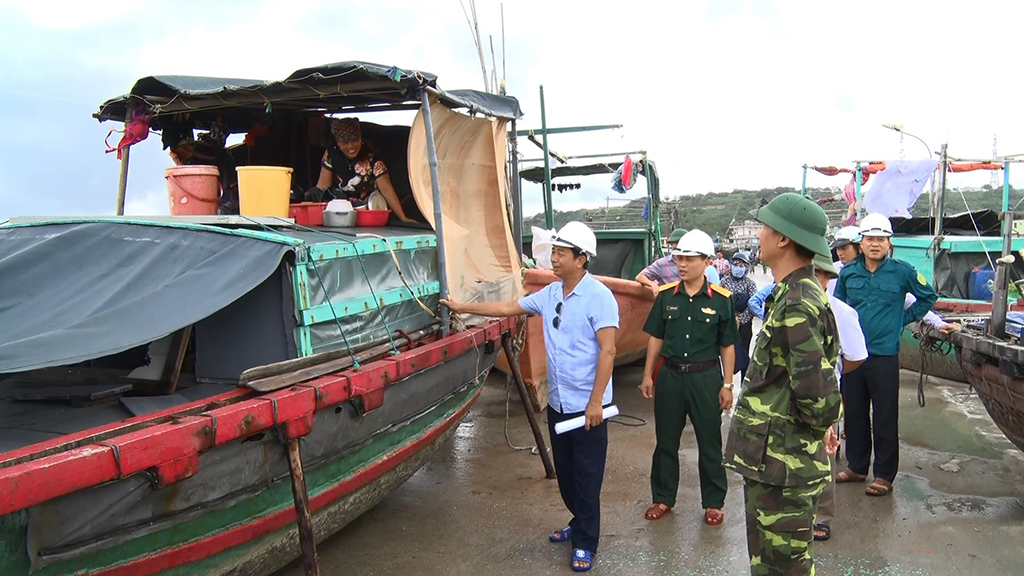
(110,318)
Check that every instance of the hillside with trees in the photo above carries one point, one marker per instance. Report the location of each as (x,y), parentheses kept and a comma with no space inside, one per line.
(713,212)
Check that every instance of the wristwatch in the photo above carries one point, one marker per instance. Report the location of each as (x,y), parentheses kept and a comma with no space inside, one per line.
(727,386)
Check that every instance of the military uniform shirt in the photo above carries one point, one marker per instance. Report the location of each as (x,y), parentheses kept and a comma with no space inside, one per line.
(879,298)
(790,396)
(693,328)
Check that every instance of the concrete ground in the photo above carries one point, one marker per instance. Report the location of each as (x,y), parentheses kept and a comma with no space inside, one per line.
(480,507)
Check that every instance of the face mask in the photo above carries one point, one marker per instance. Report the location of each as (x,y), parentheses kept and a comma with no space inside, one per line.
(738,271)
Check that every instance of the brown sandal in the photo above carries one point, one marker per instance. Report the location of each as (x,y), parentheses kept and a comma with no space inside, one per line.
(713,517)
(879,487)
(848,475)
(657,512)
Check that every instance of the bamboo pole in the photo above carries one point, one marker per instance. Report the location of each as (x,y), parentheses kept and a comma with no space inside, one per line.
(538,437)
(517,194)
(435,188)
(122,178)
(303,515)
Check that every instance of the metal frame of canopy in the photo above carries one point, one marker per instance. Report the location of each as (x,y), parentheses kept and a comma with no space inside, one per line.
(944,168)
(339,87)
(549,173)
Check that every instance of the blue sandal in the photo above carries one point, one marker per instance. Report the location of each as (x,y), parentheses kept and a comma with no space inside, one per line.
(582,556)
(559,536)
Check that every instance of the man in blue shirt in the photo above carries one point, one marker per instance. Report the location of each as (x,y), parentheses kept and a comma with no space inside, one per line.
(580,317)
(876,287)
(665,271)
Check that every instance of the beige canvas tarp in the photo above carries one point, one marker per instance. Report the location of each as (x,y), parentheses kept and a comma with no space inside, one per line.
(481,255)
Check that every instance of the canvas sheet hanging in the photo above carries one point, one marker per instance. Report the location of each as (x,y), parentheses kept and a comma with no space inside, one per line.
(481,256)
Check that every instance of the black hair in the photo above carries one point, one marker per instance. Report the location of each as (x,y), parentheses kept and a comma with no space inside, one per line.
(802,252)
(576,253)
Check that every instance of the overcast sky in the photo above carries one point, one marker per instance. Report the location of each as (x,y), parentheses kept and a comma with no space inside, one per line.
(723,94)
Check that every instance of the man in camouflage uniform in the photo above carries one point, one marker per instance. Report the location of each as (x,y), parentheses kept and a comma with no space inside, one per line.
(790,396)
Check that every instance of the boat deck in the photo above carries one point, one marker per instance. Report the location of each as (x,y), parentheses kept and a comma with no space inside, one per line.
(26,422)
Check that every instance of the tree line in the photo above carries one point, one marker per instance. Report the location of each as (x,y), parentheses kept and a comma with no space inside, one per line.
(714,212)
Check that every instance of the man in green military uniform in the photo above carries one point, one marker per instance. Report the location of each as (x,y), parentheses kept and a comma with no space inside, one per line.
(790,397)
(692,325)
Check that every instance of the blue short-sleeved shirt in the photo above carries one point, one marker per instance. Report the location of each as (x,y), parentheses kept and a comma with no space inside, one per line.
(664,270)
(572,348)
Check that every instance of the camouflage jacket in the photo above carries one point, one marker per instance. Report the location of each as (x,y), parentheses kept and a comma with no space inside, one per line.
(790,396)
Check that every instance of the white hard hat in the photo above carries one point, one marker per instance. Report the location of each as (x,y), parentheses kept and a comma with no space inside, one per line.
(845,236)
(875,225)
(577,235)
(695,243)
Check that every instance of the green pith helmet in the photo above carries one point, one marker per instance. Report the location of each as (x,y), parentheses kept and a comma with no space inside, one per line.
(798,218)
(825,265)
(676,235)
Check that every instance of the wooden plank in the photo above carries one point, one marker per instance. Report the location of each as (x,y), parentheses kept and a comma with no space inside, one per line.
(172,370)
(284,380)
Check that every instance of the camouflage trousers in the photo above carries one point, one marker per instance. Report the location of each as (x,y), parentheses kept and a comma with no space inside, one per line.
(780,528)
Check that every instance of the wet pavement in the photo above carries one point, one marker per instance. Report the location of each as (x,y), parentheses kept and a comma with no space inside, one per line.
(480,507)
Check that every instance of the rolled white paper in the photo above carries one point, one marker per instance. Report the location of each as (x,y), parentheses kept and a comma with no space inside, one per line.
(580,421)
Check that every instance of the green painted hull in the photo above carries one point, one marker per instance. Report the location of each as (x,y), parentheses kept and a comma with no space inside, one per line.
(266,554)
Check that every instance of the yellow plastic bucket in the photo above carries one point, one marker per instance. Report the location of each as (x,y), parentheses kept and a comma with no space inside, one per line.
(264,190)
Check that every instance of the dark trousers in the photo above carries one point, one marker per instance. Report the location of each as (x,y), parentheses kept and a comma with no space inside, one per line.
(743,349)
(676,397)
(871,400)
(579,458)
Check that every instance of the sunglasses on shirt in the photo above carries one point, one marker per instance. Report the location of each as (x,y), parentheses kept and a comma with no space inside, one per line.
(557,320)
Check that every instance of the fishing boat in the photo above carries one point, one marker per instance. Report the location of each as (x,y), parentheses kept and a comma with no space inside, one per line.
(990,353)
(958,264)
(954,253)
(214,394)
(622,254)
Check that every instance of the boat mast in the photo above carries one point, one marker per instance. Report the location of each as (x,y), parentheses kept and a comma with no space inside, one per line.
(549,216)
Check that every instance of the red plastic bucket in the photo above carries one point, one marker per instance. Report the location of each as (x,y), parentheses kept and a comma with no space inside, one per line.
(372,218)
(307,213)
(193,190)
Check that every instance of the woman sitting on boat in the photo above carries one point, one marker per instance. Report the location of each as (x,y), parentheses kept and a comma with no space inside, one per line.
(357,171)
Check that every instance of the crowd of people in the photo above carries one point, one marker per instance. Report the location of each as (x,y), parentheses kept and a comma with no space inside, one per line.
(825,353)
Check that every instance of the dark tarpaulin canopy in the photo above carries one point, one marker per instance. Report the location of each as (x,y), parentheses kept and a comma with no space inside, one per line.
(338,87)
(536,174)
(72,292)
(983,222)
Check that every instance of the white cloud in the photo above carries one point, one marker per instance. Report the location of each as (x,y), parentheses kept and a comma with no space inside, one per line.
(72,14)
(151,202)
(722,94)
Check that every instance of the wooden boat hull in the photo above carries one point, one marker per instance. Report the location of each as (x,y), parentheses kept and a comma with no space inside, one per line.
(944,363)
(630,343)
(996,370)
(941,364)
(355,451)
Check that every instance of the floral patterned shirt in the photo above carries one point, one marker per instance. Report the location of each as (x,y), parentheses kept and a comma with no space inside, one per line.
(356,177)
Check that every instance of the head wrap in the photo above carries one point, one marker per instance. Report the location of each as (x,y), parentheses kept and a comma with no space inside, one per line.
(346,129)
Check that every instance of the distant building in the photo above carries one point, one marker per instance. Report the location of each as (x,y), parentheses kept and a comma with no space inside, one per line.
(744,234)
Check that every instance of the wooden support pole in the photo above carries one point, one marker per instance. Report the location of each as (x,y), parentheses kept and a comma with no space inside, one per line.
(538,437)
(303,515)
(435,195)
(179,347)
(122,178)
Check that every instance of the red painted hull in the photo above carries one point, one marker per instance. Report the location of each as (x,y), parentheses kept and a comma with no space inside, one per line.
(630,343)
(167,445)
